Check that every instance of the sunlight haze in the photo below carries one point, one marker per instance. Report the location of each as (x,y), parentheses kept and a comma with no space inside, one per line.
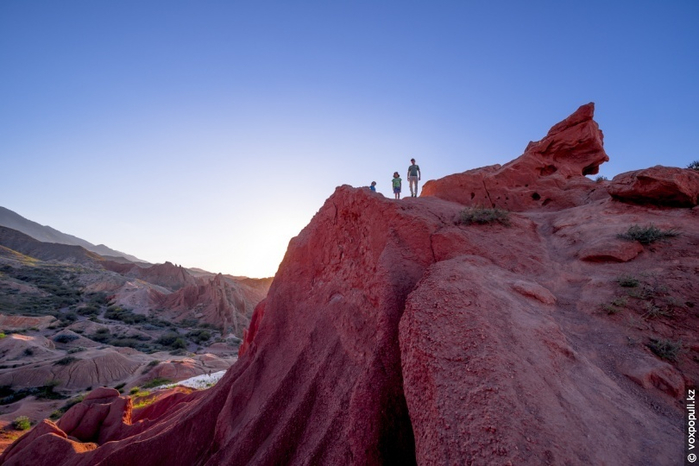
(209,133)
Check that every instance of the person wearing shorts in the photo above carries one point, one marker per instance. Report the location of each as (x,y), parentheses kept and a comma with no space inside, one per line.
(396,185)
(413,177)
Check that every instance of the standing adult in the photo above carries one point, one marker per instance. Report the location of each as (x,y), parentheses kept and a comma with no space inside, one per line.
(413,177)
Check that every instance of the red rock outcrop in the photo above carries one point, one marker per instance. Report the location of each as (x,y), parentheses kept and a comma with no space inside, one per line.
(657,185)
(550,173)
(219,301)
(392,334)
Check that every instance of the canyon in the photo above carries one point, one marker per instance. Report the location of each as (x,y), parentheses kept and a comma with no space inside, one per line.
(514,314)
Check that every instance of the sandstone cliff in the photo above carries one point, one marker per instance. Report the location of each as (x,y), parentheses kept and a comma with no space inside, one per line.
(395,334)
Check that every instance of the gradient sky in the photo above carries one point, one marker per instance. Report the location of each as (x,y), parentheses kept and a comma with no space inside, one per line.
(208,133)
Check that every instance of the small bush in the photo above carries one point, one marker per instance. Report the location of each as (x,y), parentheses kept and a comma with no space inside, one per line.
(628,281)
(65,361)
(653,311)
(485,215)
(150,366)
(172,340)
(156,382)
(21,423)
(694,165)
(646,235)
(199,336)
(610,309)
(77,350)
(620,301)
(89,310)
(600,179)
(125,315)
(102,335)
(65,338)
(666,349)
(189,323)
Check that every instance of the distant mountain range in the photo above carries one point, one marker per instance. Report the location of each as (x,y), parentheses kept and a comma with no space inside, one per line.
(47,234)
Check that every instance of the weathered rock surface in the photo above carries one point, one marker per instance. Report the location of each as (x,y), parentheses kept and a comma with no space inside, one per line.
(550,173)
(657,185)
(394,335)
(219,301)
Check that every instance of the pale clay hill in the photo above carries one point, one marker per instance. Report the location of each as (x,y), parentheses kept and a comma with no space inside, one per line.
(396,332)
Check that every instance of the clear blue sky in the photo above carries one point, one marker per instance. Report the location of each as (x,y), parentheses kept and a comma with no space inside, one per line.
(208,133)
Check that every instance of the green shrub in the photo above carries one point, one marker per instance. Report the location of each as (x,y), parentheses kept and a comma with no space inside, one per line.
(65,361)
(156,382)
(172,340)
(653,311)
(9,396)
(610,309)
(199,336)
(485,215)
(694,165)
(102,335)
(65,338)
(600,179)
(189,323)
(150,366)
(21,423)
(47,391)
(125,315)
(628,281)
(646,235)
(666,349)
(89,310)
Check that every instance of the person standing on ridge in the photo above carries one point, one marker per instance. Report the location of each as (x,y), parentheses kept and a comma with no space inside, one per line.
(396,184)
(373,186)
(413,177)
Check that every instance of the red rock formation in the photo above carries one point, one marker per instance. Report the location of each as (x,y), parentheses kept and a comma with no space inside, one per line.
(657,185)
(550,173)
(219,301)
(393,334)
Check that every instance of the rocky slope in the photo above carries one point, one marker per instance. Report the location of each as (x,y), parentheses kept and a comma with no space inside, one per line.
(394,333)
(24,244)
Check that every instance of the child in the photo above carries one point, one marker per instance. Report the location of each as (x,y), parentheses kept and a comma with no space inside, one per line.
(373,186)
(396,184)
